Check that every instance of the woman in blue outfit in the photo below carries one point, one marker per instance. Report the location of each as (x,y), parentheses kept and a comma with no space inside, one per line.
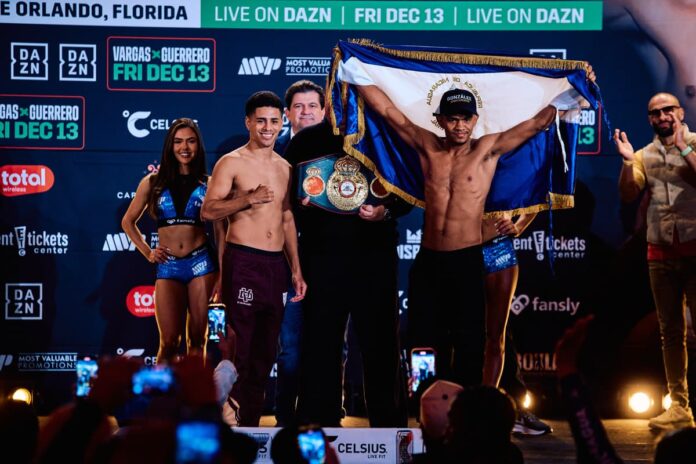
(187,268)
(501,272)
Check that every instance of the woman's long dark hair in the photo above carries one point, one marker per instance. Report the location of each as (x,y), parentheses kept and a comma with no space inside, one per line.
(169,166)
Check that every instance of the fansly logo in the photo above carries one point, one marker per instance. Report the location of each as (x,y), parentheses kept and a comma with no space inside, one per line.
(121,242)
(137,353)
(522,301)
(140,301)
(562,247)
(537,362)
(257,65)
(25,179)
(410,249)
(36,242)
(139,123)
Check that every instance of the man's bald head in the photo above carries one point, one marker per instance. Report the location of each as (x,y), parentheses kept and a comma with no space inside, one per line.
(662,99)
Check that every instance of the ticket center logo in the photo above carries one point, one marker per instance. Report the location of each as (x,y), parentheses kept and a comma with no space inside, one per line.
(36,242)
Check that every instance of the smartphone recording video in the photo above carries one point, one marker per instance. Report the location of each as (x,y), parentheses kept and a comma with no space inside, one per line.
(197,442)
(216,321)
(150,380)
(312,446)
(86,370)
(422,366)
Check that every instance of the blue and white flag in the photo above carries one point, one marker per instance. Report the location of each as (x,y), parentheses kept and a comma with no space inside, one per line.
(539,175)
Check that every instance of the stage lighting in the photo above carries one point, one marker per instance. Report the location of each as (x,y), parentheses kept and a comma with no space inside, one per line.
(527,401)
(666,401)
(639,402)
(22,394)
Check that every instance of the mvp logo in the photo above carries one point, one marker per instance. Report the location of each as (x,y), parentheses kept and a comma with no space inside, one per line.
(258,65)
(20,179)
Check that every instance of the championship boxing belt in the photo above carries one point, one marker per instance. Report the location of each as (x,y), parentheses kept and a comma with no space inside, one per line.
(338,183)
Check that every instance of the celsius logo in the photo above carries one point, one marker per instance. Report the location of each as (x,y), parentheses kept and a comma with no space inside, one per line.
(25,179)
(562,247)
(140,124)
(410,249)
(134,118)
(137,353)
(520,302)
(141,301)
(258,65)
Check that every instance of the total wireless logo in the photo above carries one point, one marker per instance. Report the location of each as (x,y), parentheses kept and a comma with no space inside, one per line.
(140,301)
(21,179)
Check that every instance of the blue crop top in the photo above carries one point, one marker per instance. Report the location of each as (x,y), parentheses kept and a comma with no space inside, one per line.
(167,214)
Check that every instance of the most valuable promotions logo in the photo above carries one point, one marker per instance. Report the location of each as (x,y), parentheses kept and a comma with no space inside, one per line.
(26,179)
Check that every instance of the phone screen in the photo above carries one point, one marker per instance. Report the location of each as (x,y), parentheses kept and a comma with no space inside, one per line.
(216,322)
(197,442)
(312,447)
(86,370)
(422,366)
(153,380)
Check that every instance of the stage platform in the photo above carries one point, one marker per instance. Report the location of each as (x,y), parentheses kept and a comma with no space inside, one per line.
(632,439)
